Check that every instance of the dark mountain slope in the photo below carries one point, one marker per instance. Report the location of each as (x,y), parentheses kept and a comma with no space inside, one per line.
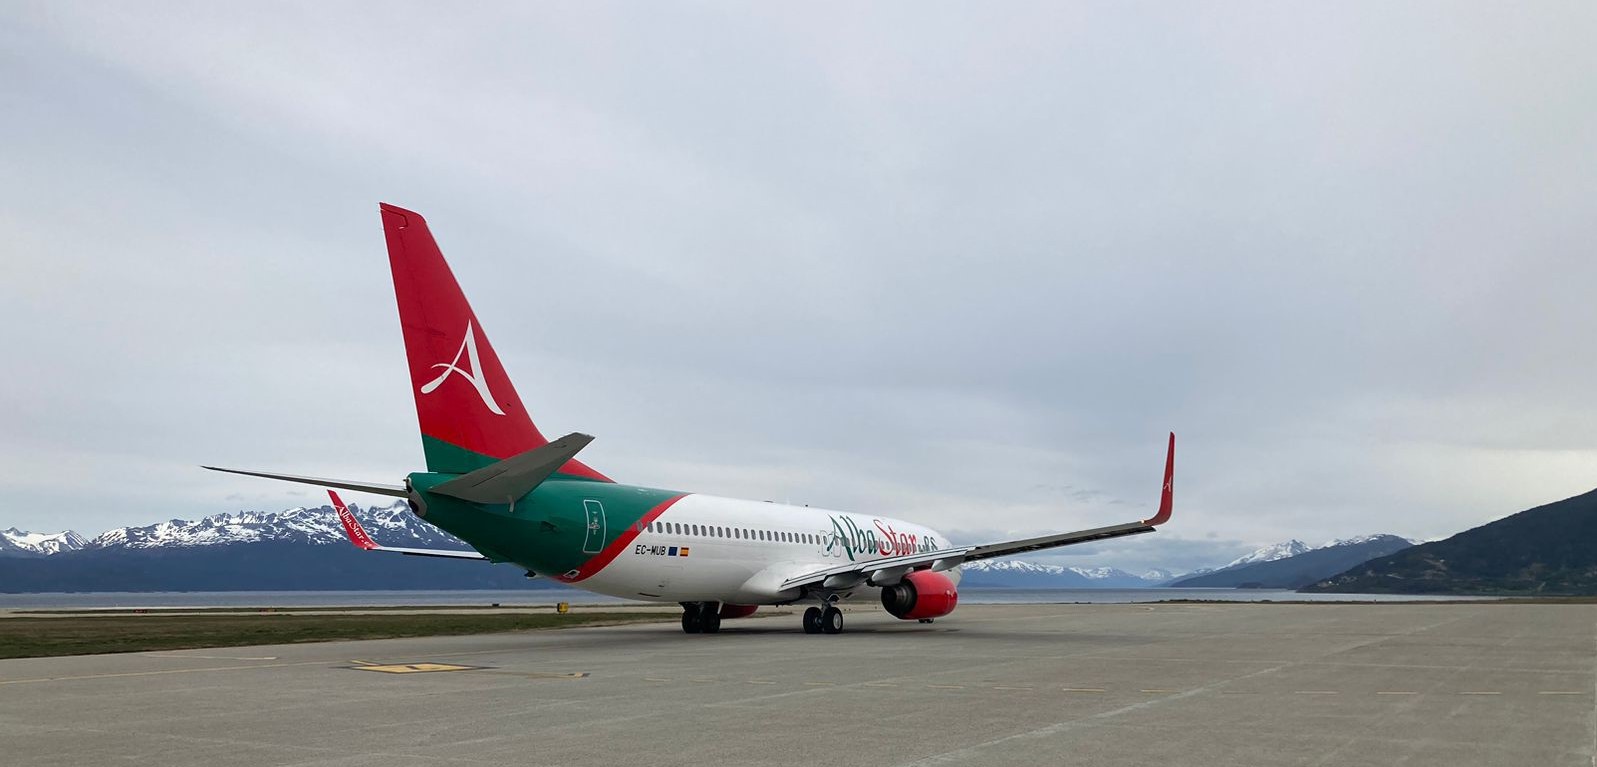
(1550,549)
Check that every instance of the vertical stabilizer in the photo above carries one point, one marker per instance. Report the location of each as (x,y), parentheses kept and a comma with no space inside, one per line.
(469,413)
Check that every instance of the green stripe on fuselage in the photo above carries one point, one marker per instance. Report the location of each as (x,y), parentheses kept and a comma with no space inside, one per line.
(547,530)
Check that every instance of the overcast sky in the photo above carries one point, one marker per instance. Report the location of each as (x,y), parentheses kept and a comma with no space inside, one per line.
(961,263)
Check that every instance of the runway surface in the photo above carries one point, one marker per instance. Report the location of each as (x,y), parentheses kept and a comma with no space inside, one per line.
(1232,684)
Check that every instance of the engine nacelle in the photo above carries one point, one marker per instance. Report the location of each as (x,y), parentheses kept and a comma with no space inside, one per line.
(920,595)
(737,611)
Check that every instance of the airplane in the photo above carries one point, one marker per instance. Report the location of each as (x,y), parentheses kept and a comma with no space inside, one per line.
(493,481)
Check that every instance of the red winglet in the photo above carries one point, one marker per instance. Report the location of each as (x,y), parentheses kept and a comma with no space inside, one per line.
(357,534)
(1167,495)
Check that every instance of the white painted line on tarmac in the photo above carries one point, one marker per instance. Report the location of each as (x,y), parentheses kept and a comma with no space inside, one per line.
(1081,689)
(208,657)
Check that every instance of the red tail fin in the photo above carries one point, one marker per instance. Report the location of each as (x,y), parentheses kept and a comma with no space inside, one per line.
(470,414)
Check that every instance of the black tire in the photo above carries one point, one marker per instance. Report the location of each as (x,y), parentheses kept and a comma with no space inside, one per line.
(831,621)
(812,620)
(691,623)
(711,622)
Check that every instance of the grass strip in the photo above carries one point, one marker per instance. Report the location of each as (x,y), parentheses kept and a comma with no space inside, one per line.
(41,637)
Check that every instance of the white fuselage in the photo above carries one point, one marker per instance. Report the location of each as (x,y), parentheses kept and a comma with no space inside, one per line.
(710,549)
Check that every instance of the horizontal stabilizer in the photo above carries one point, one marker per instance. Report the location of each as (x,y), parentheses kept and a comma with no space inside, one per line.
(396,491)
(507,480)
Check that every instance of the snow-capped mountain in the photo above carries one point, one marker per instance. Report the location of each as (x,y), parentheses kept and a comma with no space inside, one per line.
(293,550)
(394,525)
(16,542)
(1362,539)
(1271,553)
(1013,572)
(1273,568)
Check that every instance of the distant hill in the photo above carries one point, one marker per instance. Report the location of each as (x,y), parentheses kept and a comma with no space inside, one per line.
(1301,569)
(1545,550)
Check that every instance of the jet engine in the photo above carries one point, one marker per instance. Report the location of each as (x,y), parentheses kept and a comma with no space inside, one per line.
(921,595)
(737,611)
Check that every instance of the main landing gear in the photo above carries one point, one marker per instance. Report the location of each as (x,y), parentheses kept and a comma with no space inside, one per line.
(823,620)
(701,617)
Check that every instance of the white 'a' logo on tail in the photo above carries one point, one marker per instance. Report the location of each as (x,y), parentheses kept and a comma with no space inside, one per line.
(468,348)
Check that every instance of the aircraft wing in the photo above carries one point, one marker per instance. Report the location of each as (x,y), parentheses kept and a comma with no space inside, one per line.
(879,571)
(889,570)
(357,535)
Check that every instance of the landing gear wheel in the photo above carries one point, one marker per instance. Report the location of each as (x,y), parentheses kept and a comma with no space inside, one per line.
(831,620)
(692,622)
(710,621)
(812,620)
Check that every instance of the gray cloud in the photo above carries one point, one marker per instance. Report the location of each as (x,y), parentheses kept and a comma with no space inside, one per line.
(927,261)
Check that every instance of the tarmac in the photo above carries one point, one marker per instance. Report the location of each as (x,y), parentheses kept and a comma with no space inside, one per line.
(1168,684)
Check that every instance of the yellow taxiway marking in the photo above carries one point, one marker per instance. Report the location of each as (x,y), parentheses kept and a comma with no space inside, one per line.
(1081,689)
(413,668)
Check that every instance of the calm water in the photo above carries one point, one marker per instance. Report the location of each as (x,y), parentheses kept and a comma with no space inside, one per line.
(550,596)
